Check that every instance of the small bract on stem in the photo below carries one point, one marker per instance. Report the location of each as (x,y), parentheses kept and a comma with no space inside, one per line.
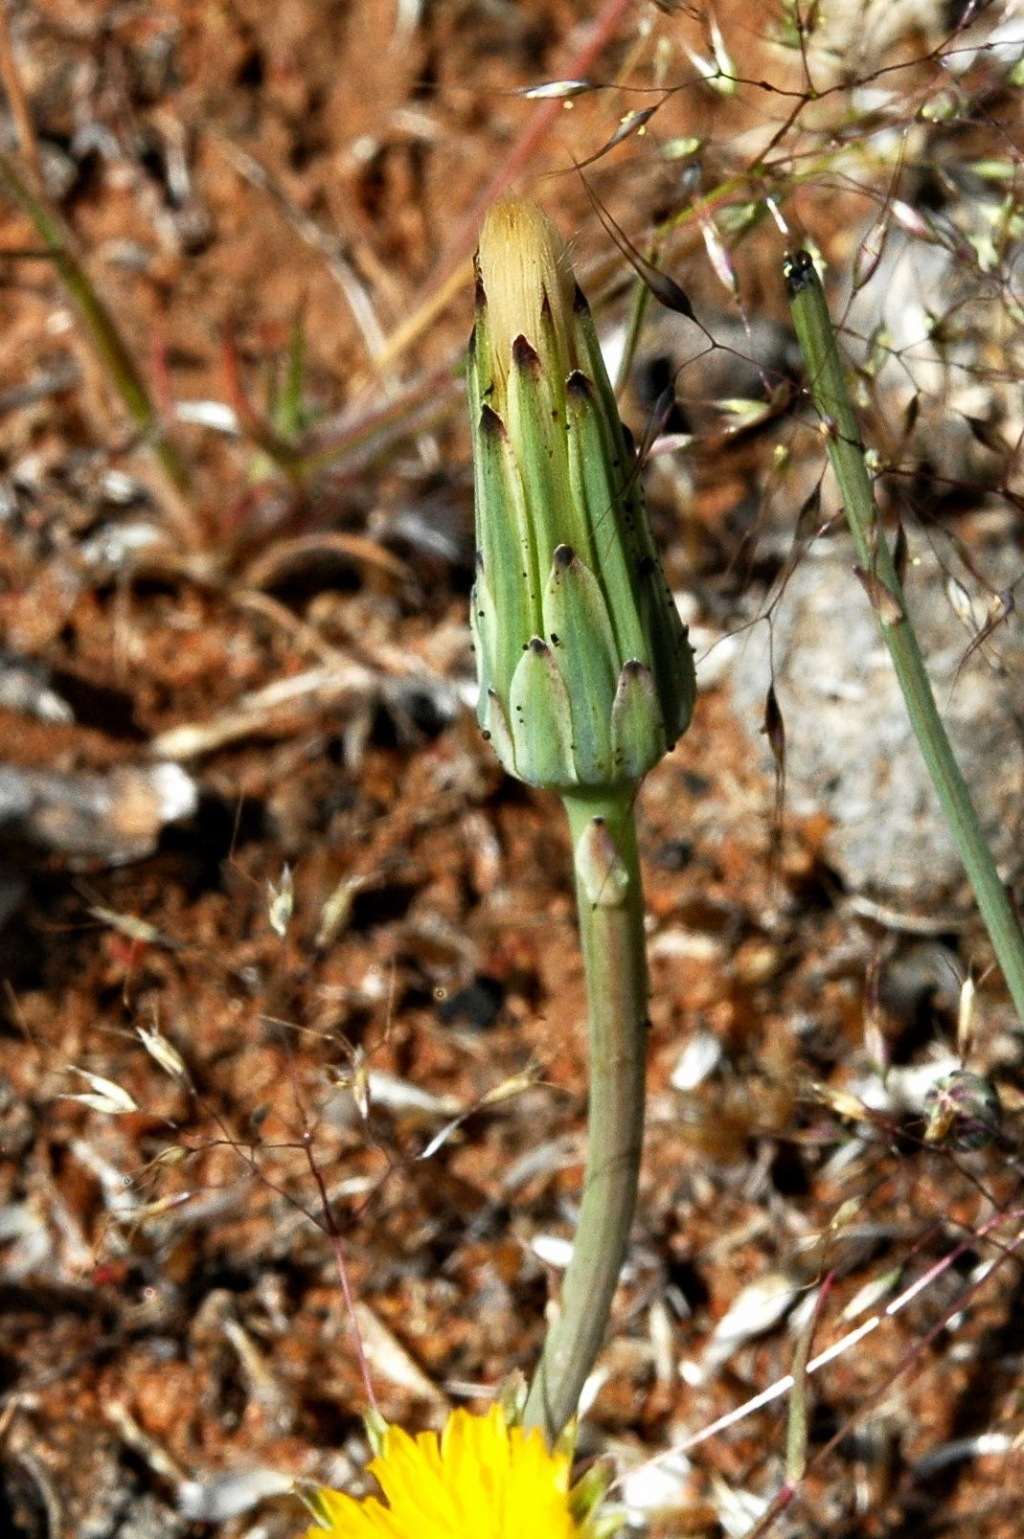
(586,680)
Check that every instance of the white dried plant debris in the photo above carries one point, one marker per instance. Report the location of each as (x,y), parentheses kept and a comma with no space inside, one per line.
(965,1018)
(176,791)
(25,687)
(903,1091)
(592,1387)
(401,1095)
(117,548)
(698,1060)
(426,534)
(119,1193)
(714,655)
(539,1163)
(737,1510)
(554,90)
(264,1387)
(356,1080)
(716,70)
(757,1309)
(553,1250)
(657,1488)
(163,1052)
(152,1452)
(467,693)
(983,1444)
(282,902)
(804,1311)
(122,489)
(27,1240)
(315,689)
(103,1096)
(507,1090)
(1005,42)
(386,1356)
(16,1219)
(376,985)
(209,414)
(661,1331)
(15,796)
(114,817)
(218,1498)
(684,945)
(336,912)
(485,852)
(871,1294)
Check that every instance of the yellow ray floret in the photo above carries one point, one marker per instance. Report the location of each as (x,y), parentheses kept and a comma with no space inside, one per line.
(479,1479)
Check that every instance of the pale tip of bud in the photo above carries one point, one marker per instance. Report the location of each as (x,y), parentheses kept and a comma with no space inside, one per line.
(523,265)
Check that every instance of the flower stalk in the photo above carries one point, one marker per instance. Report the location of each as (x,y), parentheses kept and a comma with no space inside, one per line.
(586,681)
(611,916)
(879,571)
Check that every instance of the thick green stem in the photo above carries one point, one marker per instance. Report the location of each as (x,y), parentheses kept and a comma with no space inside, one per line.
(610,902)
(827,383)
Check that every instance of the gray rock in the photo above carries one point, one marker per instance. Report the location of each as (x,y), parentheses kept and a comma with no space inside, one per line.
(850,751)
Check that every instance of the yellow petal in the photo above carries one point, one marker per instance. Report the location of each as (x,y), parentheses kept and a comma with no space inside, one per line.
(481,1479)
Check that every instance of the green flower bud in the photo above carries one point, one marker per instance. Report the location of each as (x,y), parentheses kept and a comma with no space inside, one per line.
(586,675)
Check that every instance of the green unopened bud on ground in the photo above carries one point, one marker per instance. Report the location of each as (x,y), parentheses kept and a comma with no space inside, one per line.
(586,674)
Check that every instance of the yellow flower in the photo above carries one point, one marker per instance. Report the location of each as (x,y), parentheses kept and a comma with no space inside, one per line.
(480,1479)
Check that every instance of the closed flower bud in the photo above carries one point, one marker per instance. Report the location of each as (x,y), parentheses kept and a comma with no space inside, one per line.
(586,675)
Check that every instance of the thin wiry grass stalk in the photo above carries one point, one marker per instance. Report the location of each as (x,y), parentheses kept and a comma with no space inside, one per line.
(14,88)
